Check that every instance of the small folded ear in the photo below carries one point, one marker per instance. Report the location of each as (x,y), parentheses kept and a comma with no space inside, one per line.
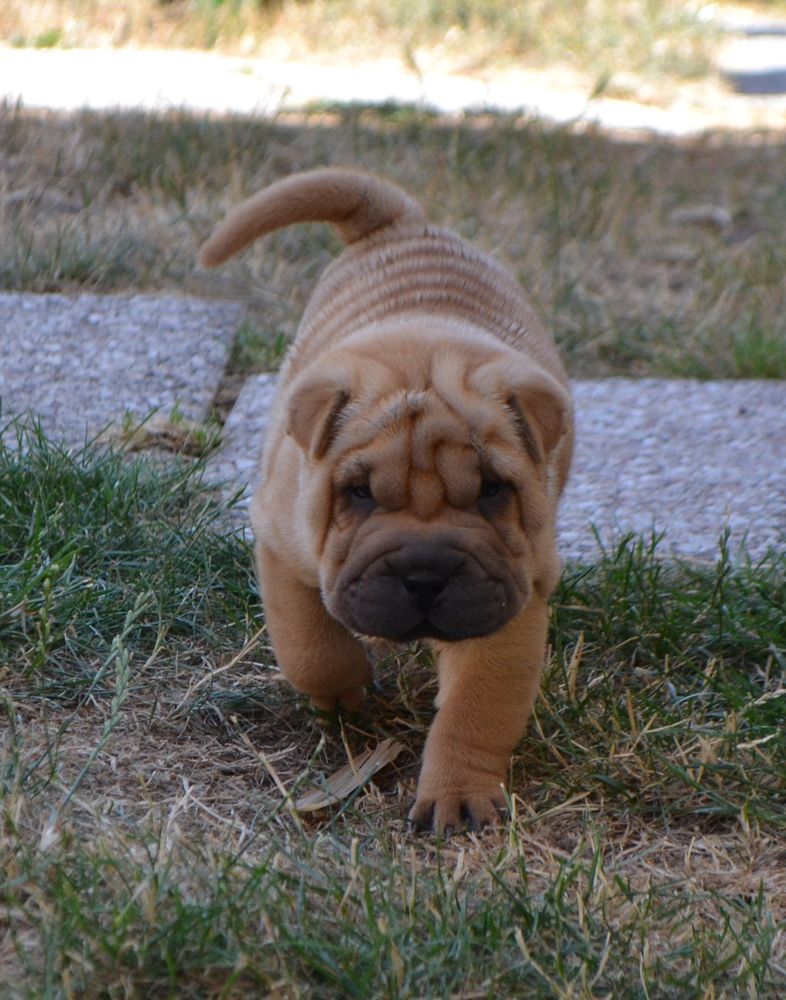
(314,408)
(539,404)
(541,408)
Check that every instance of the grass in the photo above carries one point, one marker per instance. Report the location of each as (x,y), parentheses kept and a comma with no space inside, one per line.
(146,849)
(80,533)
(615,240)
(596,36)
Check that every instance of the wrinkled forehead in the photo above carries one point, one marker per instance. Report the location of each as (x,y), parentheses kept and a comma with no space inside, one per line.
(419,452)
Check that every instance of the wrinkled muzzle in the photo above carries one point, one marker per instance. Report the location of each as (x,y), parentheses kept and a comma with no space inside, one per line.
(421,590)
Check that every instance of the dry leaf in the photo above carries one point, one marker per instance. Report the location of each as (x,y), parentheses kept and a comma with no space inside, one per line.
(353,775)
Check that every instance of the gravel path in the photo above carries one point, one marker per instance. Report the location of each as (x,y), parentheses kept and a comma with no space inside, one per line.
(683,457)
(83,364)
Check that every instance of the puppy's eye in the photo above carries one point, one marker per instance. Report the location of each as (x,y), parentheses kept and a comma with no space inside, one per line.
(493,497)
(359,498)
(490,488)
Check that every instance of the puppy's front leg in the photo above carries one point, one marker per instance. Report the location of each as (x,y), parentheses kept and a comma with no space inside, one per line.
(486,690)
(316,654)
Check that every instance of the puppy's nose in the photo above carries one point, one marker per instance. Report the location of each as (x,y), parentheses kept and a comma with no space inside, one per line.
(425,587)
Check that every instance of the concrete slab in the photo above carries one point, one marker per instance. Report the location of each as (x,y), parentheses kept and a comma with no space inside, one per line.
(236,462)
(684,457)
(84,362)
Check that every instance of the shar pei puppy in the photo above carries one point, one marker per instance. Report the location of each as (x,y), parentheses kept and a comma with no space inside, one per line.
(416,452)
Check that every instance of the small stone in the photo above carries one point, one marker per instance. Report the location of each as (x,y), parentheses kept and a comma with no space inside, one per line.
(711,216)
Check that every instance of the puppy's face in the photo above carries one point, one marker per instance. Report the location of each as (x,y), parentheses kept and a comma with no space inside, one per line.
(428,485)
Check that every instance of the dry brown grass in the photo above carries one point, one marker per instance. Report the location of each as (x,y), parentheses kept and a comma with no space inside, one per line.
(637,38)
(187,782)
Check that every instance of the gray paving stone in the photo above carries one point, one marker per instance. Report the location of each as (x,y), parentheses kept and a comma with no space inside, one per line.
(683,457)
(236,461)
(84,362)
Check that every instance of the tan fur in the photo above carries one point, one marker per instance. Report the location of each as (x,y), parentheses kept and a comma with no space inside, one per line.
(417,449)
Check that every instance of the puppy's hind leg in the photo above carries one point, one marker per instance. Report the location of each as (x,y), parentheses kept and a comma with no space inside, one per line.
(316,654)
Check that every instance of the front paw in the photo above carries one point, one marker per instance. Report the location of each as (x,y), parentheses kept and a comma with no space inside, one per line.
(348,703)
(447,808)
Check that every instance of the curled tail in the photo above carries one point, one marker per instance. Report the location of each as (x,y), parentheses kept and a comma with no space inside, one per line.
(356,203)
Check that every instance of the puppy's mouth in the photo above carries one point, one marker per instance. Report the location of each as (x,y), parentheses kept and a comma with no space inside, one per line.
(427,630)
(426,592)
